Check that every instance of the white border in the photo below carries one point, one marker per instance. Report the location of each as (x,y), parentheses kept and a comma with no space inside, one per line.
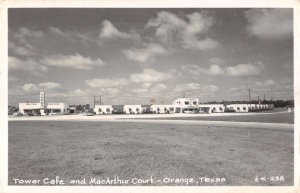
(4,5)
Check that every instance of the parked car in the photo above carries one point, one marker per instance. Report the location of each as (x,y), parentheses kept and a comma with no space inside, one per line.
(54,113)
(89,113)
(28,114)
(17,114)
(37,114)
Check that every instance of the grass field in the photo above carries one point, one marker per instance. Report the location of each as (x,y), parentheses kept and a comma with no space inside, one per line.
(77,150)
(283,117)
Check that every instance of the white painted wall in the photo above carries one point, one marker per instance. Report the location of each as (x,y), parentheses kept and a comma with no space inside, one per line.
(103,109)
(28,106)
(161,109)
(239,107)
(213,108)
(133,109)
(52,107)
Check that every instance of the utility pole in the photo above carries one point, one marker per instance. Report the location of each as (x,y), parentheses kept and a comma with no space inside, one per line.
(249,90)
(94,101)
(97,101)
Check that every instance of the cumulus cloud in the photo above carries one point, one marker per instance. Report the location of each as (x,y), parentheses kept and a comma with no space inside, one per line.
(150,76)
(270,24)
(49,85)
(20,50)
(30,87)
(76,61)
(170,28)
(143,83)
(144,54)
(106,83)
(196,87)
(112,92)
(214,69)
(268,82)
(109,31)
(157,88)
(30,65)
(196,69)
(42,86)
(18,42)
(24,33)
(245,69)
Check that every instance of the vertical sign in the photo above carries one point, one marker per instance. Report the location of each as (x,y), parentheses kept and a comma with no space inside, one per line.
(42,99)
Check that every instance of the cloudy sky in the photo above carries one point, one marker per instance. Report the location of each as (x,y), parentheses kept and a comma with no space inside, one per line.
(140,55)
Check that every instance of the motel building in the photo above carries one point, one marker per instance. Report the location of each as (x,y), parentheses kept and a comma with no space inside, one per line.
(211,108)
(185,105)
(180,105)
(133,109)
(240,108)
(103,109)
(42,107)
(161,109)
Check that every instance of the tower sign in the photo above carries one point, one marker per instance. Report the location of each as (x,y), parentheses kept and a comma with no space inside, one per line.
(42,99)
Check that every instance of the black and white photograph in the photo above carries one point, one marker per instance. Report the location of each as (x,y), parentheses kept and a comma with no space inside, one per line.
(155,96)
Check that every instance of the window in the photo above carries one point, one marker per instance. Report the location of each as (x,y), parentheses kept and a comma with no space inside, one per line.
(214,108)
(221,109)
(99,110)
(108,110)
(56,110)
(244,108)
(186,102)
(130,109)
(137,109)
(238,108)
(194,102)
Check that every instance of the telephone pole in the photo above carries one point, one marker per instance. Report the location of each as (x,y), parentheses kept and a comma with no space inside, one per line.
(99,101)
(94,101)
(249,90)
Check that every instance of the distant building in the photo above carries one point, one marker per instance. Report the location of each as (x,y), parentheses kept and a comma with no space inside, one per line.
(161,109)
(42,107)
(132,109)
(185,105)
(180,105)
(103,109)
(211,108)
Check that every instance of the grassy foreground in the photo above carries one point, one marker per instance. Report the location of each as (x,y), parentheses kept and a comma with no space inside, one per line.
(77,150)
(283,117)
